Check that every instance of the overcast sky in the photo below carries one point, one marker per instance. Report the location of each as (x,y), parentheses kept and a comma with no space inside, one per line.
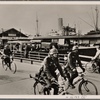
(23,16)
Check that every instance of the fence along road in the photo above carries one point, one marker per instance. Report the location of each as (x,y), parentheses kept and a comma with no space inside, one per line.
(39,56)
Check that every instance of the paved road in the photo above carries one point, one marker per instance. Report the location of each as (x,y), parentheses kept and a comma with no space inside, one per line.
(20,83)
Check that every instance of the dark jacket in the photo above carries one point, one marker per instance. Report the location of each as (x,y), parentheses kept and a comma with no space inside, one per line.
(73,60)
(7,52)
(50,66)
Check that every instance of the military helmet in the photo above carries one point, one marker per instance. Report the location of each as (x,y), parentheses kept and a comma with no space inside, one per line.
(53,51)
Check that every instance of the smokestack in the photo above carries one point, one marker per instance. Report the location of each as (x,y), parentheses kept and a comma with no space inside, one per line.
(60,23)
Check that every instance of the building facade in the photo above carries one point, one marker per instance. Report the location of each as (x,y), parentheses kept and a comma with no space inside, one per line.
(11,35)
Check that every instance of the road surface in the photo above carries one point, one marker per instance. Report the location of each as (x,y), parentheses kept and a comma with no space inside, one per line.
(20,83)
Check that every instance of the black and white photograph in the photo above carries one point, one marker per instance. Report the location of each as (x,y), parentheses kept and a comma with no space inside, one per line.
(50,49)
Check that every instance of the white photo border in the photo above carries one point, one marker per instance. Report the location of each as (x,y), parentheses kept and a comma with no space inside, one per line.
(27,97)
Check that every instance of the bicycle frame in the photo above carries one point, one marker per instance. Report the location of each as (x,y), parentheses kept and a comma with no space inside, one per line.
(81,78)
(7,62)
(62,91)
(11,58)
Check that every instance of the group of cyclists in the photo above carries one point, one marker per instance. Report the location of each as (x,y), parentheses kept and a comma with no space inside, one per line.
(51,63)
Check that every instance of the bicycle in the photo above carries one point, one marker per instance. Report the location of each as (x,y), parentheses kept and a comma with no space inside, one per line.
(85,86)
(12,65)
(63,89)
(39,87)
(92,67)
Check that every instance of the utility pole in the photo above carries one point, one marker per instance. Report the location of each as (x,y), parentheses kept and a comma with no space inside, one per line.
(97,12)
(37,27)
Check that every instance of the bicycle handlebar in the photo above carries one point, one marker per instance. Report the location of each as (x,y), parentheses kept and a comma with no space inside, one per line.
(81,74)
(36,79)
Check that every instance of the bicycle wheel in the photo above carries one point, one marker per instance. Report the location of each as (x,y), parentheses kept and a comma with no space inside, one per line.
(39,89)
(4,65)
(87,88)
(13,67)
(90,67)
